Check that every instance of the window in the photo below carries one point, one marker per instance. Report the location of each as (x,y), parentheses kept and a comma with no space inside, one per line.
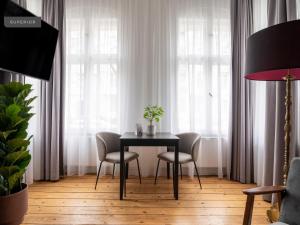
(92,94)
(203,72)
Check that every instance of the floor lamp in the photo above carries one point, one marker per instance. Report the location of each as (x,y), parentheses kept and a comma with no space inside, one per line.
(273,54)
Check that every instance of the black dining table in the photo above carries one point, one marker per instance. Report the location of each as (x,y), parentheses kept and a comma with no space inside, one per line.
(159,139)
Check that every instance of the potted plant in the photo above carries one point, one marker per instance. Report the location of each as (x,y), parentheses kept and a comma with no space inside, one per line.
(14,154)
(153,113)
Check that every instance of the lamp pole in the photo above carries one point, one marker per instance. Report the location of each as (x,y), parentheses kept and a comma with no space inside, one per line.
(287,126)
(273,212)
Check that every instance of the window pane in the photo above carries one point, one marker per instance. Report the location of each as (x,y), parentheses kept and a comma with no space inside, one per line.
(190,36)
(104,36)
(221,37)
(76,37)
(220,98)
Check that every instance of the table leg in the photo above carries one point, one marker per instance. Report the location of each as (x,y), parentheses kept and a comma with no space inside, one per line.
(122,170)
(168,167)
(127,165)
(176,171)
(125,179)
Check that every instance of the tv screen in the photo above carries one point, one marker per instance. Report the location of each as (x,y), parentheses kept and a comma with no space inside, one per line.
(26,50)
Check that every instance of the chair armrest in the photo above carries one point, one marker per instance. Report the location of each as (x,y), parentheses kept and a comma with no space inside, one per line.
(259,191)
(264,190)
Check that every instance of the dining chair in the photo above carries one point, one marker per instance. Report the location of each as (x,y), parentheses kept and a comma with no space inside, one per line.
(108,146)
(188,152)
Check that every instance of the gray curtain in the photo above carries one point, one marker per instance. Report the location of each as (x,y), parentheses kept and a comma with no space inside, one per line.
(6,77)
(242,99)
(279,11)
(51,98)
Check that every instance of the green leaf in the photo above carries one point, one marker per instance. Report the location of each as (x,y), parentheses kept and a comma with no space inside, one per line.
(2,153)
(15,178)
(12,111)
(13,89)
(22,130)
(17,143)
(3,186)
(29,101)
(5,134)
(24,93)
(4,101)
(15,157)
(5,171)
(25,162)
(3,190)
(3,146)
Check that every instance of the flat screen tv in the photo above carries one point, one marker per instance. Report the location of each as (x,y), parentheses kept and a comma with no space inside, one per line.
(24,50)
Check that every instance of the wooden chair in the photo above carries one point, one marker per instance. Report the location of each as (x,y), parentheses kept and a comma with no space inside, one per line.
(288,198)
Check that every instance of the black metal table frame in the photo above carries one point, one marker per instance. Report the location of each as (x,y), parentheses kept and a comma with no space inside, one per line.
(149,142)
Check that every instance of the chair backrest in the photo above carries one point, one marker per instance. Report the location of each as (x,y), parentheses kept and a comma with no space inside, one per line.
(290,211)
(189,143)
(107,142)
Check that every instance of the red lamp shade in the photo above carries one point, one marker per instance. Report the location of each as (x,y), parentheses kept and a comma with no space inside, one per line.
(274,52)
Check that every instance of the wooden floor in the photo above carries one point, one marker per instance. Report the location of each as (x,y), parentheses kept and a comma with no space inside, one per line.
(73,200)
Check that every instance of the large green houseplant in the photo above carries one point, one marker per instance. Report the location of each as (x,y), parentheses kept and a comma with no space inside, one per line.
(14,155)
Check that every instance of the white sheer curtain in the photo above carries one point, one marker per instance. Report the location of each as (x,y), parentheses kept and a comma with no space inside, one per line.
(93,78)
(203,73)
(125,54)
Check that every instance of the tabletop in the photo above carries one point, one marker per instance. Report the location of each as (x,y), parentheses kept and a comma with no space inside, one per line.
(157,136)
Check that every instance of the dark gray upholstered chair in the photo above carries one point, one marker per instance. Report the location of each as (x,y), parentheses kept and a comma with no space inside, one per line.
(108,145)
(188,152)
(289,196)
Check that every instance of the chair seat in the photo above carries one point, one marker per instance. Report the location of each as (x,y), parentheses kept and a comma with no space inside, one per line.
(114,157)
(170,157)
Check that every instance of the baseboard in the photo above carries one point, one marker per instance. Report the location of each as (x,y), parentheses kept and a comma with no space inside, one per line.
(107,170)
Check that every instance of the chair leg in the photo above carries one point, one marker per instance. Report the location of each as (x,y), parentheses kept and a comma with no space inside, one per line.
(138,165)
(180,171)
(197,174)
(173,177)
(125,180)
(156,171)
(98,175)
(127,169)
(248,210)
(113,173)
(168,170)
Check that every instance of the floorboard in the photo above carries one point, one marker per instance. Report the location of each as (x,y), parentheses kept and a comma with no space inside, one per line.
(73,200)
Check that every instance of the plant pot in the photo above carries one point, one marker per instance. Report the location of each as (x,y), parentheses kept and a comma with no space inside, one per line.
(13,207)
(151,130)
